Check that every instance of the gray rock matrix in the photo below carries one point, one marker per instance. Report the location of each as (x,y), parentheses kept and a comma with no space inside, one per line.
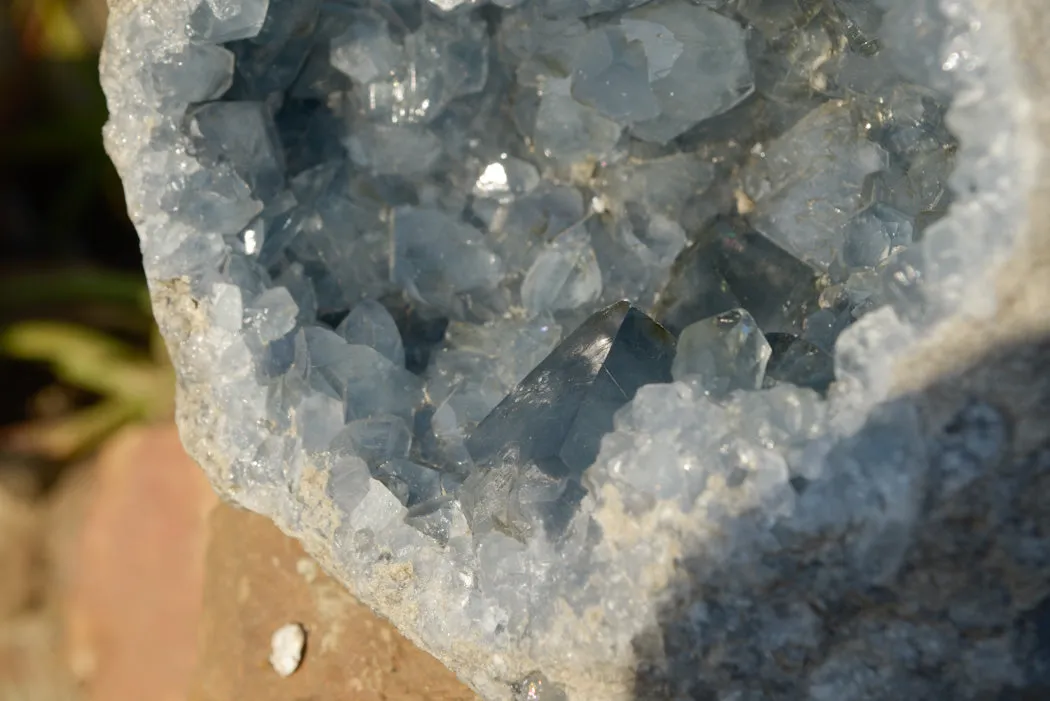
(617,349)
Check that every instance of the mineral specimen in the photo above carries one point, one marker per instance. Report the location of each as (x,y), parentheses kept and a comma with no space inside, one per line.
(565,332)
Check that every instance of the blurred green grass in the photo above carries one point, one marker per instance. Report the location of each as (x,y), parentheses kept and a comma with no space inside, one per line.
(79,355)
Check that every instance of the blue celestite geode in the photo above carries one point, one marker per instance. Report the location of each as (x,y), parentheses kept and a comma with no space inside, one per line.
(592,342)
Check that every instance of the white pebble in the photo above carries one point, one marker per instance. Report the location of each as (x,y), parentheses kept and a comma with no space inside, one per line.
(286,648)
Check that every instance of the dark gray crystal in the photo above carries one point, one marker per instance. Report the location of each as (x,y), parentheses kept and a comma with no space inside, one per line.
(412,484)
(798,362)
(241,134)
(733,266)
(558,414)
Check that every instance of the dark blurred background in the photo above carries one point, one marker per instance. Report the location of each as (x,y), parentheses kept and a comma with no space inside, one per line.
(80,368)
(75,330)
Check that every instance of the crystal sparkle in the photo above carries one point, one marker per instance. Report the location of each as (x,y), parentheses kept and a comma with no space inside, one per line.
(562,330)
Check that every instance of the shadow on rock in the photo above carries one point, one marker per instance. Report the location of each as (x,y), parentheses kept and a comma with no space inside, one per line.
(916,567)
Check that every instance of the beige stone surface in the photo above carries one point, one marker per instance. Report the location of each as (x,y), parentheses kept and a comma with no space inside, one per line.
(257,580)
(31,664)
(20,567)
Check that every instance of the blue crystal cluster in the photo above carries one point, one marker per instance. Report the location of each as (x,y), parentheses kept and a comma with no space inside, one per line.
(737,170)
(526,298)
(743,172)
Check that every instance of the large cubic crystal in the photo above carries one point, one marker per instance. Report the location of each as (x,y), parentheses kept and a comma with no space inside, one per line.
(585,339)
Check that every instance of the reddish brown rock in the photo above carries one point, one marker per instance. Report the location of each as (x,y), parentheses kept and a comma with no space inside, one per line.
(134,585)
(258,580)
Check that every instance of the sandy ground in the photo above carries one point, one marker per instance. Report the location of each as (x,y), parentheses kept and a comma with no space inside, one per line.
(129,581)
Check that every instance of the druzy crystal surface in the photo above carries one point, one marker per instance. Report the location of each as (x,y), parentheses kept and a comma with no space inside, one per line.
(563,331)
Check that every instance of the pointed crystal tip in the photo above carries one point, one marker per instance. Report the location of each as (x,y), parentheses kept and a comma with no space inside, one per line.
(559,412)
(533,448)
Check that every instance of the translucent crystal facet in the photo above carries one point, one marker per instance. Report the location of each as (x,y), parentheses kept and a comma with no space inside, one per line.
(807,184)
(242,134)
(568,130)
(365,52)
(196,73)
(218,21)
(697,62)
(723,353)
(564,276)
(370,324)
(611,74)
(558,414)
(441,261)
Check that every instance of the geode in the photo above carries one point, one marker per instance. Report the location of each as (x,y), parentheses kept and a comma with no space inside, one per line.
(618,349)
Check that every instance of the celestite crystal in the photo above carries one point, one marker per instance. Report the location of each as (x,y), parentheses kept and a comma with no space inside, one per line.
(697,65)
(722,353)
(808,183)
(564,276)
(370,324)
(576,336)
(191,73)
(243,135)
(558,414)
(439,261)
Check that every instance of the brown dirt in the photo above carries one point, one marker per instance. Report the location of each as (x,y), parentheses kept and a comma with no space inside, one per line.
(257,580)
(128,582)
